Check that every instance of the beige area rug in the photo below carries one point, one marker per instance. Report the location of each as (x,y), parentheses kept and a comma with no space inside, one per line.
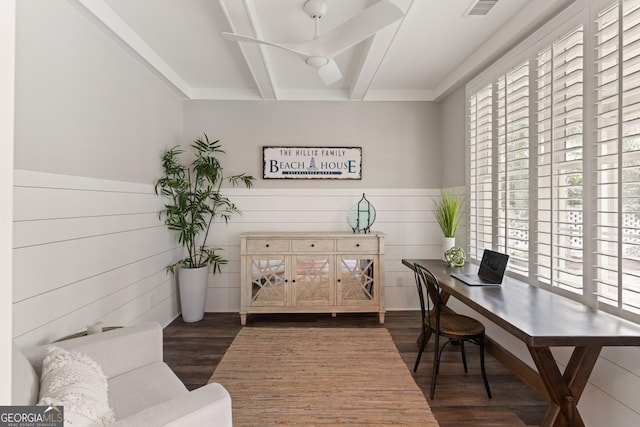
(320,377)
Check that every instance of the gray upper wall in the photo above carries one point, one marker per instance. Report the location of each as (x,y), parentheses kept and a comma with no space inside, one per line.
(84,106)
(401,146)
(452,143)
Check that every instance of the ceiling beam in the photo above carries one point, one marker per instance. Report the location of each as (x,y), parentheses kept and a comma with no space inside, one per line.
(105,15)
(242,19)
(373,55)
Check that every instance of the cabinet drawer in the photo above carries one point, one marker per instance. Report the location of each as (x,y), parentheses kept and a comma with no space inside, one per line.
(267,245)
(358,245)
(312,245)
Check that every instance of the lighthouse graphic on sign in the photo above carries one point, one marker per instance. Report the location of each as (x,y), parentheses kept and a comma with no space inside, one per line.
(312,165)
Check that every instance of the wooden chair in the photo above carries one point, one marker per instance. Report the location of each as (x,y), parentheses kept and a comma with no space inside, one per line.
(440,321)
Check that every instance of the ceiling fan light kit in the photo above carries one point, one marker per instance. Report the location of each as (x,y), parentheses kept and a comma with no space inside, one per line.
(321,51)
(317,61)
(316,9)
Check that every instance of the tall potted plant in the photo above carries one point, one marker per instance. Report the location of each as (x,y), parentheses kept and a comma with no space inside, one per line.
(194,200)
(448,213)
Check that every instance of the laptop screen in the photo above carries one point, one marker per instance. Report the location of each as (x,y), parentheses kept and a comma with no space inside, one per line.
(493,265)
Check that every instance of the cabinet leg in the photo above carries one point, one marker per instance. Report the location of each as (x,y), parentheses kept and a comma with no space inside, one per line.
(334,314)
(381,316)
(243,319)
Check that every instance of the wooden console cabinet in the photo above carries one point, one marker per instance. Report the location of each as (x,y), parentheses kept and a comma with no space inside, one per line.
(336,272)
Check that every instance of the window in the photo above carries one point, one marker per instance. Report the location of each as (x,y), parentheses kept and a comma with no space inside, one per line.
(559,169)
(499,154)
(554,152)
(512,123)
(617,54)
(480,184)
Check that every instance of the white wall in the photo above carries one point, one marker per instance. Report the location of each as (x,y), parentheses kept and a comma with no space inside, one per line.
(84,105)
(401,175)
(404,215)
(84,250)
(91,123)
(7,53)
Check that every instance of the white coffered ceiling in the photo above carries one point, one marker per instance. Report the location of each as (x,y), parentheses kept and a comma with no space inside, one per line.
(431,50)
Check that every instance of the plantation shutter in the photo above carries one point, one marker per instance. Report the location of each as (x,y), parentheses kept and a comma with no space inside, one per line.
(512,124)
(617,274)
(559,153)
(480,170)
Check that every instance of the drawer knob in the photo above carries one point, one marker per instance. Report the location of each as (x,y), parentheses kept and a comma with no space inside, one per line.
(313,245)
(357,245)
(267,245)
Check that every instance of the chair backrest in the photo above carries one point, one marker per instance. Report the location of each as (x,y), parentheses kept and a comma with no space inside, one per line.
(426,280)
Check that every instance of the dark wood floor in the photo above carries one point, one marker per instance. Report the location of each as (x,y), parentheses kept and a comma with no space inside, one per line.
(193,350)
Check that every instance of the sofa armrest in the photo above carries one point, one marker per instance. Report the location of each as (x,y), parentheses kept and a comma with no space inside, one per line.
(209,405)
(116,351)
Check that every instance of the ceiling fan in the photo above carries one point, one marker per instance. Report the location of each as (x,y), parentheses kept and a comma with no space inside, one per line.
(321,51)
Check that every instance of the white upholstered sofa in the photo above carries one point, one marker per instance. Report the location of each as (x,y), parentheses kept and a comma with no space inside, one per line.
(142,389)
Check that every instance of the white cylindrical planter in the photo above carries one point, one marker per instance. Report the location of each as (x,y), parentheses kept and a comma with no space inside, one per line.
(447,243)
(192,283)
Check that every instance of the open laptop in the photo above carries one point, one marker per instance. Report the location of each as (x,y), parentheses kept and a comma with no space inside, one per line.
(491,271)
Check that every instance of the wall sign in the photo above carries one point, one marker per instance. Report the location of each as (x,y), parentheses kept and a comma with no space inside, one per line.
(312,162)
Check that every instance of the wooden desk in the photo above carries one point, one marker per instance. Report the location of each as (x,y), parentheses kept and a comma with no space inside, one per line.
(542,319)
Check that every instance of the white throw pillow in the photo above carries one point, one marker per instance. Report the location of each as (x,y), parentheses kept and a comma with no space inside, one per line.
(75,381)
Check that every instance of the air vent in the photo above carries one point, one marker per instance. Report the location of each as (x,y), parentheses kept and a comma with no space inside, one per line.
(480,7)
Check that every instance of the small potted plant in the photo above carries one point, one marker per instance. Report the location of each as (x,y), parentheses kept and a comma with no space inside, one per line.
(194,200)
(448,212)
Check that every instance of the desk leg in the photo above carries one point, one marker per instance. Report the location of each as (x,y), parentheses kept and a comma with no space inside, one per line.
(565,389)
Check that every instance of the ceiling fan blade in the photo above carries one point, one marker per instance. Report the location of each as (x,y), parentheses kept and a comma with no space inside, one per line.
(248,39)
(330,73)
(354,30)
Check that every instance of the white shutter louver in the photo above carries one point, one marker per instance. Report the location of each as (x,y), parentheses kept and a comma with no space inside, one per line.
(537,176)
(512,124)
(480,178)
(617,273)
(559,155)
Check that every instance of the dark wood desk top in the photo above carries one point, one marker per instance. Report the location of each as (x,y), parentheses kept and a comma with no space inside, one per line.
(536,316)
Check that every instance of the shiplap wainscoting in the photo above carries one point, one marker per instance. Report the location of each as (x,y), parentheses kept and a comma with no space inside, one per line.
(404,215)
(87,250)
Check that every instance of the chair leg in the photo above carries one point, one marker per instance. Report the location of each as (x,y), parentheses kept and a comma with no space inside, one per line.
(484,373)
(464,356)
(439,351)
(436,365)
(422,337)
(422,344)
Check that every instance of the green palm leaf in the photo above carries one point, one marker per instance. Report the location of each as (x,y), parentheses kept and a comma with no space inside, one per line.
(194,200)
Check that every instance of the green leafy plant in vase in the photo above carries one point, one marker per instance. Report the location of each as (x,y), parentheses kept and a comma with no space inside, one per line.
(194,201)
(448,212)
